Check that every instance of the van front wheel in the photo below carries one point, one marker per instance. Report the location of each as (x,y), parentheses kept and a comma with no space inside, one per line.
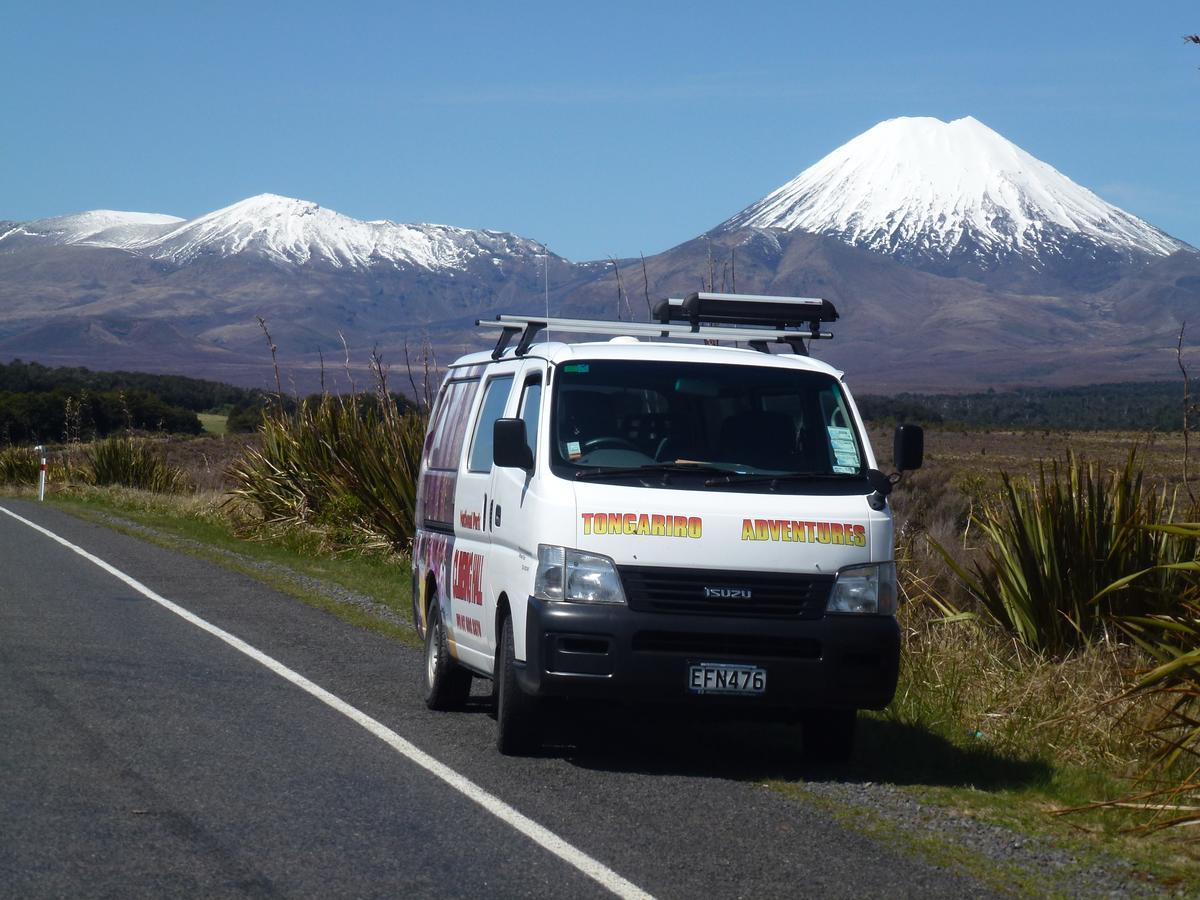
(447,684)
(517,729)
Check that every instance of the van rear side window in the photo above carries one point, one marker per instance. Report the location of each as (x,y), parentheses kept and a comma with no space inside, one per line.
(449,425)
(494,399)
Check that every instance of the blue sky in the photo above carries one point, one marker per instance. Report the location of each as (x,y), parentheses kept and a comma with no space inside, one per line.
(600,129)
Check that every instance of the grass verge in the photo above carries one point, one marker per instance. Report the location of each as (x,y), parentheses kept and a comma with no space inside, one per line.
(290,564)
(985,803)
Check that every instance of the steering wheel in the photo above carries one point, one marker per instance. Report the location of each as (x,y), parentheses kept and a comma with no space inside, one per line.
(613,443)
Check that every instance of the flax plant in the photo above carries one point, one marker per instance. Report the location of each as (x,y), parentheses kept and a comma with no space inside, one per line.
(348,464)
(1053,546)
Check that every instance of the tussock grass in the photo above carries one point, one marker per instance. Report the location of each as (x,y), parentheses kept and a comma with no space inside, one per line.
(18,465)
(969,682)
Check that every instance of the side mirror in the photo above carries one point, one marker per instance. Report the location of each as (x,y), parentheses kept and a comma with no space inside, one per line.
(909,447)
(509,447)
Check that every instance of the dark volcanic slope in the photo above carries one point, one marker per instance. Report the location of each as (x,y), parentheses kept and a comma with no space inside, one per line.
(901,328)
(904,329)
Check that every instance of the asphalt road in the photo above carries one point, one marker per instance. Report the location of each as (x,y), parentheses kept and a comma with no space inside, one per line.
(141,755)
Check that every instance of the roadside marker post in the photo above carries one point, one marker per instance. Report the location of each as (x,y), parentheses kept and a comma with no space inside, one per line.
(40,450)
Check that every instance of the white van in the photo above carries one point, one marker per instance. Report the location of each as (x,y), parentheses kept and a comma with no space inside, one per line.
(653,520)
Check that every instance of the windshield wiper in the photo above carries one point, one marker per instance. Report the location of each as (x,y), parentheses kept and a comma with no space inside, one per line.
(737,478)
(652,469)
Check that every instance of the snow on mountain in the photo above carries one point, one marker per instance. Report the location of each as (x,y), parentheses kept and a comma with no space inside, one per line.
(99,227)
(280,229)
(297,231)
(920,187)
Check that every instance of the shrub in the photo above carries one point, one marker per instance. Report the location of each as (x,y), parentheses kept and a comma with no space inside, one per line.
(244,418)
(132,462)
(1054,544)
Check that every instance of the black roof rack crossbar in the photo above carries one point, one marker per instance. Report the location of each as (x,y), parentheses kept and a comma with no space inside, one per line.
(510,327)
(796,342)
(502,340)
(532,328)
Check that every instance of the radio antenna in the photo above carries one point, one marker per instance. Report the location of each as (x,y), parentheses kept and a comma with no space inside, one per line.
(546,274)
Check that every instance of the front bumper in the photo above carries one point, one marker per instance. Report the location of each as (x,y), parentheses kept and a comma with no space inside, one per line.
(590,650)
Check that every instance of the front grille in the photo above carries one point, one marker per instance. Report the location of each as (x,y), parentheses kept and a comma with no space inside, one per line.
(772,594)
(740,646)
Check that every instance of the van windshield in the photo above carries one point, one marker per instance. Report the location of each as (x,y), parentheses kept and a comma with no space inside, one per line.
(619,417)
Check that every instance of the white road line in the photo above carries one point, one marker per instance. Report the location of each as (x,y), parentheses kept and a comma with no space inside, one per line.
(538,834)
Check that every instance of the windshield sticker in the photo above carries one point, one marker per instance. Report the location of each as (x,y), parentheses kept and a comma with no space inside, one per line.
(845,450)
(580,368)
(573,451)
(792,531)
(642,524)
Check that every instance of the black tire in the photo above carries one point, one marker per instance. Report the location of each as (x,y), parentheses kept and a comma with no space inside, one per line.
(828,734)
(447,684)
(517,726)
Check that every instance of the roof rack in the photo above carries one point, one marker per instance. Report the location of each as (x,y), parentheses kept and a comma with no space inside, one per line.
(756,318)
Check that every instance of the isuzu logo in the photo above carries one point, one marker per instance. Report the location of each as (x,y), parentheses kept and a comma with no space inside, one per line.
(727,593)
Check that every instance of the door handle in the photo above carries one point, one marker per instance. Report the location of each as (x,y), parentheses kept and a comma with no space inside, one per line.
(497,515)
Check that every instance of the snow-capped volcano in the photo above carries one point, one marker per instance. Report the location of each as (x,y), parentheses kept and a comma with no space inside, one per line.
(928,191)
(298,231)
(280,229)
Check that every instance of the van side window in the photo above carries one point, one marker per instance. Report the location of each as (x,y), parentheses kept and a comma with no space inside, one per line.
(494,397)
(531,406)
(449,425)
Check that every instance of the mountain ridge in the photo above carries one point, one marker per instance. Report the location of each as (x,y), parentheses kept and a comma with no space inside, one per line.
(281,229)
(964,307)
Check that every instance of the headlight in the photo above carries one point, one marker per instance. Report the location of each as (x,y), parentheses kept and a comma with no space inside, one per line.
(565,574)
(868,590)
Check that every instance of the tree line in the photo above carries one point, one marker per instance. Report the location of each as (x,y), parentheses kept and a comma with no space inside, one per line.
(196,394)
(1130,406)
(42,417)
(41,404)
(44,404)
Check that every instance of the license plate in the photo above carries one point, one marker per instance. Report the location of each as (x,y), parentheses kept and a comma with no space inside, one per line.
(726,678)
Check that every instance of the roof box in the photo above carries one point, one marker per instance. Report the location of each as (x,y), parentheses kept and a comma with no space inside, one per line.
(746,309)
